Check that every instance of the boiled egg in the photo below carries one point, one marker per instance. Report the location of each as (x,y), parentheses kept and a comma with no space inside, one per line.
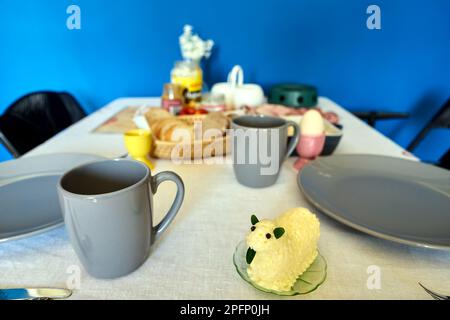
(312,123)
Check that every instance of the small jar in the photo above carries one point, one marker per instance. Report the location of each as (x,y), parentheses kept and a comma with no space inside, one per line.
(213,102)
(172,98)
(189,75)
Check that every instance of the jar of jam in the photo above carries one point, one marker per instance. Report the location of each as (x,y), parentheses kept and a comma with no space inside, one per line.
(172,98)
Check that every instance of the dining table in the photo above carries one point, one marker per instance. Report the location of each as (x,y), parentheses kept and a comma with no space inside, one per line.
(194,257)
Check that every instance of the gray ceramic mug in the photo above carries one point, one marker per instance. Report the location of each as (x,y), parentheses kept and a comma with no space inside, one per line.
(108,209)
(260,145)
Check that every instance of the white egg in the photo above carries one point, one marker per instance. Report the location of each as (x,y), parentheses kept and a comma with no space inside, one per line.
(312,123)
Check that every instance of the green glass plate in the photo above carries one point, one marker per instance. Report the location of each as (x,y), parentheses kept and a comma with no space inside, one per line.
(309,281)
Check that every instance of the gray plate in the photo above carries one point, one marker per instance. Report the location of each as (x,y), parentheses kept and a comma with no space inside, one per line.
(28,198)
(394,199)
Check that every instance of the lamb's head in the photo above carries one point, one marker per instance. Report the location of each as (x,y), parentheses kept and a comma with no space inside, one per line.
(263,236)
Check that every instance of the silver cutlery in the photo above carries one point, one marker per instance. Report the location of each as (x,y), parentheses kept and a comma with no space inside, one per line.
(435,295)
(34,293)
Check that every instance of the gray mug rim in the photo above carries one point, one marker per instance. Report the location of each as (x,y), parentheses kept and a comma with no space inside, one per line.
(285,122)
(108,194)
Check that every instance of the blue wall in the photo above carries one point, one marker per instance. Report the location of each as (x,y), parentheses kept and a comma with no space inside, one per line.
(127,48)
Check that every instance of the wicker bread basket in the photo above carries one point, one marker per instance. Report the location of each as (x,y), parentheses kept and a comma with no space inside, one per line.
(198,149)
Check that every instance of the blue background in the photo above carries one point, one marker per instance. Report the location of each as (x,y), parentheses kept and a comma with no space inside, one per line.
(127,48)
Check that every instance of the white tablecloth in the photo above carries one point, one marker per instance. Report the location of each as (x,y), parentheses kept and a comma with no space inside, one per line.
(193,259)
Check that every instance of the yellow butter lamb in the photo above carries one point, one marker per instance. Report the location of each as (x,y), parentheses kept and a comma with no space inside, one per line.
(281,250)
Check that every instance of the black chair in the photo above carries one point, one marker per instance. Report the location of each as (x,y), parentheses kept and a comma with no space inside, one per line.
(440,120)
(35,118)
(371,117)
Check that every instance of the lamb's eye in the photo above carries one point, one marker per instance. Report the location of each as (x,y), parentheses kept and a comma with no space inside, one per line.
(268,235)
(253,228)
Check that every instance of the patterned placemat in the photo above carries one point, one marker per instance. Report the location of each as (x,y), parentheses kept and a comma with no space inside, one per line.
(120,122)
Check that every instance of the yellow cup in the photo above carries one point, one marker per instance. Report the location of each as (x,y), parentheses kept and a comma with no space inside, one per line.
(139,144)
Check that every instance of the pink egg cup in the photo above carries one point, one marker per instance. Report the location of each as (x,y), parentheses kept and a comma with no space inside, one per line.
(308,148)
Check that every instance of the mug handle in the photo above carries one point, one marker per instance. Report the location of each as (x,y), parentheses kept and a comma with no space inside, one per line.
(155,182)
(294,141)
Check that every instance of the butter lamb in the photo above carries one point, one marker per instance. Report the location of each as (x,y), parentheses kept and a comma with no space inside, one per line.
(281,250)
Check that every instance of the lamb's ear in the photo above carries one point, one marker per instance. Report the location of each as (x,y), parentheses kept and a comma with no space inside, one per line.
(254,219)
(278,232)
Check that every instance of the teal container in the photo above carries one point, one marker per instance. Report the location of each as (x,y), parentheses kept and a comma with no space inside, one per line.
(294,95)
